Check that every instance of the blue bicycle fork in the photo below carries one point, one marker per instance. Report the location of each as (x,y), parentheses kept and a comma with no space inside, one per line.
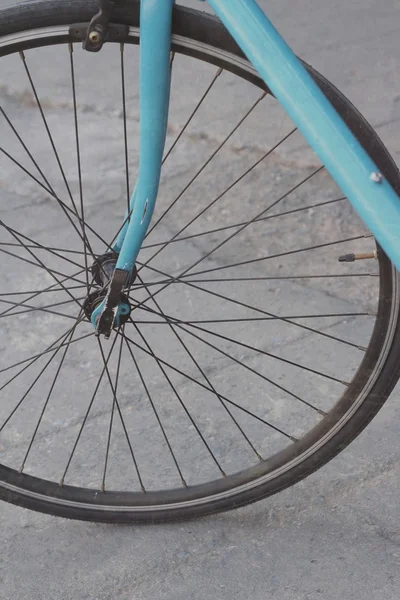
(355,173)
(155,81)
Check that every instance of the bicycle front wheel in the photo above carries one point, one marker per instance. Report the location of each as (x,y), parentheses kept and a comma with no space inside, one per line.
(251,356)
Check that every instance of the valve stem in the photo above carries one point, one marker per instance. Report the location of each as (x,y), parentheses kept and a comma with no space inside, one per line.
(361,256)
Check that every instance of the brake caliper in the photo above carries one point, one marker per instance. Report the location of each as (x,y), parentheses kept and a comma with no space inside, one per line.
(98,30)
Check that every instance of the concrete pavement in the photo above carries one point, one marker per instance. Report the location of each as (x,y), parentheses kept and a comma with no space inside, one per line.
(336,534)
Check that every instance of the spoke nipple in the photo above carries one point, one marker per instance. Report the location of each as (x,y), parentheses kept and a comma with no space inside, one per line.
(322,412)
(376,177)
(61,482)
(22,55)
(103,487)
(362,348)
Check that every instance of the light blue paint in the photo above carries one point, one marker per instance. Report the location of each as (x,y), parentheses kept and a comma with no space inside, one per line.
(155,47)
(121,236)
(155,82)
(350,166)
(123,309)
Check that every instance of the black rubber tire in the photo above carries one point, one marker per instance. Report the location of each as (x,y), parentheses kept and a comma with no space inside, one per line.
(29,492)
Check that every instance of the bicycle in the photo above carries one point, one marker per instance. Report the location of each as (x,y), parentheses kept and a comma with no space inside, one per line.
(218,375)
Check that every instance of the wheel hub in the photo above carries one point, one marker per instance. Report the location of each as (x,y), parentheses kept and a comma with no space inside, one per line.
(102,271)
(94,299)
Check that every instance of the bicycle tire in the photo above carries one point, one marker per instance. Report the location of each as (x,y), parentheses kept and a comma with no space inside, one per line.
(348,420)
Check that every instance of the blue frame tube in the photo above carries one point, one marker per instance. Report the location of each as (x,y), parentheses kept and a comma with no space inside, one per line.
(356,174)
(155,81)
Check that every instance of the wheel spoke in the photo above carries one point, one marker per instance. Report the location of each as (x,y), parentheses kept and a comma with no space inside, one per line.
(48,248)
(228,189)
(204,166)
(252,319)
(67,210)
(41,263)
(247,346)
(279,255)
(45,291)
(78,158)
(32,359)
(116,404)
(284,319)
(277,278)
(89,408)
(235,225)
(244,305)
(110,427)
(156,413)
(55,378)
(46,126)
(40,266)
(202,385)
(200,102)
(241,363)
(37,378)
(205,377)
(27,151)
(36,245)
(179,398)
(270,354)
(243,227)
(126,147)
(50,288)
(51,140)
(138,286)
(30,308)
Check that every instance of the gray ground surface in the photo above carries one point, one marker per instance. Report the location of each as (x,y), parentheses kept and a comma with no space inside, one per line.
(336,534)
